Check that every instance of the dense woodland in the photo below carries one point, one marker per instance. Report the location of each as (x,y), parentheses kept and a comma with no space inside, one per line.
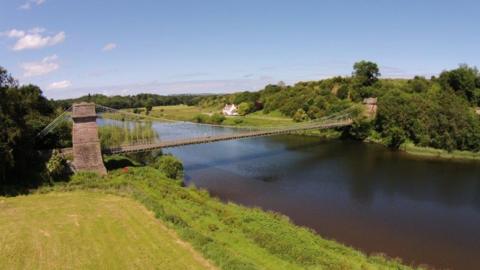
(437,112)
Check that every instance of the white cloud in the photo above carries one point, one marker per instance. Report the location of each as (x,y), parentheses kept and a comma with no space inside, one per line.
(36,41)
(14,33)
(60,85)
(47,65)
(28,4)
(33,38)
(109,47)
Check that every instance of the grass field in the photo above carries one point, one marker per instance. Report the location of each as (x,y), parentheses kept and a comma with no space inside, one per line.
(86,230)
(231,236)
(179,112)
(187,113)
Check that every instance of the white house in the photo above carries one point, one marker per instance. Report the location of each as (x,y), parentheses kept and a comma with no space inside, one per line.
(230,109)
(371,105)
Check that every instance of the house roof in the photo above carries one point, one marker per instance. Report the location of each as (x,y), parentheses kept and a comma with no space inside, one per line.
(370,100)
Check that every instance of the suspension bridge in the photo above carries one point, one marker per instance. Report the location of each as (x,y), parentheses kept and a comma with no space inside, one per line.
(88,147)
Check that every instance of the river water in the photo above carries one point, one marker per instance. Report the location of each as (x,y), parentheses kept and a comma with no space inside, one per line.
(423,211)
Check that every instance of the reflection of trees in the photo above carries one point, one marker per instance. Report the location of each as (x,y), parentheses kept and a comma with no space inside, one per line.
(364,170)
(374,169)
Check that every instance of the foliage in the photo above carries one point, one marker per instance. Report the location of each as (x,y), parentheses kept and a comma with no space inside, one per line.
(365,73)
(232,236)
(245,107)
(300,116)
(438,119)
(57,166)
(215,118)
(135,101)
(465,81)
(24,111)
(359,130)
(170,166)
(118,161)
(201,118)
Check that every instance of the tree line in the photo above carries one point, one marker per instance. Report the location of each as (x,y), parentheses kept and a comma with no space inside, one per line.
(436,112)
(132,101)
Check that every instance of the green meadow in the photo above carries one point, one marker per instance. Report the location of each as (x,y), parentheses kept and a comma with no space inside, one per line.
(88,230)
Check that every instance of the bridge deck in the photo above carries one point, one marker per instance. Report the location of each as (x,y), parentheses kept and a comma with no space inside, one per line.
(209,139)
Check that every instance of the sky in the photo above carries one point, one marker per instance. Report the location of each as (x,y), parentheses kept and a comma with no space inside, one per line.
(71,48)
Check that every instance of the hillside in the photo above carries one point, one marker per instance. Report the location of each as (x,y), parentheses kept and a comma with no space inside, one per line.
(86,230)
(231,236)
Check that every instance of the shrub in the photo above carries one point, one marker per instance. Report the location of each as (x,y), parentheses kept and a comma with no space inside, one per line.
(170,166)
(238,120)
(117,162)
(57,167)
(200,118)
(216,118)
(300,116)
(245,108)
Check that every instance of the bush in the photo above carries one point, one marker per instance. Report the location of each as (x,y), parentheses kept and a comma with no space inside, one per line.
(300,116)
(117,162)
(359,130)
(57,167)
(170,166)
(238,120)
(245,108)
(216,118)
(200,118)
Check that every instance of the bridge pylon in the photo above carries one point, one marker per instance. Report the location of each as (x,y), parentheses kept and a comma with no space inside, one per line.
(87,155)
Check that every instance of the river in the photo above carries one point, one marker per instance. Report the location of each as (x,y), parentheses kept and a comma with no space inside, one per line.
(424,211)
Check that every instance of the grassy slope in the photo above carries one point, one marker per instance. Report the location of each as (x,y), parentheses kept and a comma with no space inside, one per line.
(85,230)
(232,236)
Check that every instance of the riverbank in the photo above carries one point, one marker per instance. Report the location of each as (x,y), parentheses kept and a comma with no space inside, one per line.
(231,236)
(276,119)
(429,152)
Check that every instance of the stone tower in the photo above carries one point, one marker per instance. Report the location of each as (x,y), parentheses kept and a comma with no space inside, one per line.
(87,155)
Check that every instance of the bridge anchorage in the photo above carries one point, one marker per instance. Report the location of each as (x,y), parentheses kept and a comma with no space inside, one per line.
(87,149)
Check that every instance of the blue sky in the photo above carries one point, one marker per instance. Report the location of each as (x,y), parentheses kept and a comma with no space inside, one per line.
(70,48)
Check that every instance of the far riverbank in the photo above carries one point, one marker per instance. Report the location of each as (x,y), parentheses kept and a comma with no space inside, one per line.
(272,119)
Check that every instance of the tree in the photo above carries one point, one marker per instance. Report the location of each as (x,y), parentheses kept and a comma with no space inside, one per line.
(300,116)
(365,73)
(217,118)
(418,85)
(24,111)
(342,92)
(170,166)
(245,108)
(464,80)
(148,107)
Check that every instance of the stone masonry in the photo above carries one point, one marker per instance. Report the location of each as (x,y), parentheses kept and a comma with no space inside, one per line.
(87,155)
